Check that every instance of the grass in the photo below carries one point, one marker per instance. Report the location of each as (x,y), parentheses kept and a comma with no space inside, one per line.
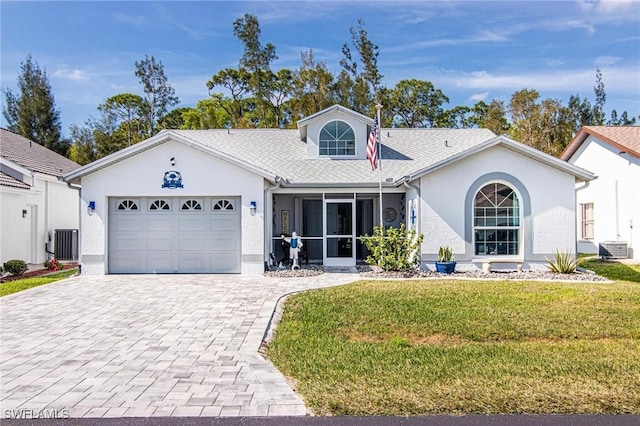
(613,270)
(15,286)
(433,347)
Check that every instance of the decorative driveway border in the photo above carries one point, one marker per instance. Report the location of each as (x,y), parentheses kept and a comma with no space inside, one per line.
(146,345)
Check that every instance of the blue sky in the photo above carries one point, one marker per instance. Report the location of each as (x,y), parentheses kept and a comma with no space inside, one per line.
(478,50)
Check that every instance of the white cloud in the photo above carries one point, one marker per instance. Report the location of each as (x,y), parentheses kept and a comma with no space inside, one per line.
(479,96)
(579,80)
(606,60)
(606,6)
(69,74)
(136,21)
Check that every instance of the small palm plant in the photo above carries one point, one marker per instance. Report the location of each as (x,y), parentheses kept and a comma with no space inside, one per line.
(563,262)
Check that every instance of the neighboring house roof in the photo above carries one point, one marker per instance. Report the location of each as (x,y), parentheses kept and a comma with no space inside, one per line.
(6,180)
(32,156)
(624,138)
(407,154)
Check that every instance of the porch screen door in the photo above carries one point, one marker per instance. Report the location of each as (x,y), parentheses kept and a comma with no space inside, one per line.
(339,247)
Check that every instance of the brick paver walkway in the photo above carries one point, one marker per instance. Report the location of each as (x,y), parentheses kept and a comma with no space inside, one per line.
(146,345)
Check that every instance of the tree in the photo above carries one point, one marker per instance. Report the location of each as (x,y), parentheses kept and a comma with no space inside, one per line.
(416,103)
(206,115)
(542,125)
(126,108)
(33,113)
(174,119)
(256,60)
(238,85)
(159,95)
(492,116)
(83,149)
(601,98)
(312,87)
(367,82)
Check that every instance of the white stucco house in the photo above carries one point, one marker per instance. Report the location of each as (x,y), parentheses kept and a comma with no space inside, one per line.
(34,203)
(218,201)
(608,208)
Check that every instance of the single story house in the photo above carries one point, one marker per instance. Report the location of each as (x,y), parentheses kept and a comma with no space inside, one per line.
(34,203)
(218,201)
(608,209)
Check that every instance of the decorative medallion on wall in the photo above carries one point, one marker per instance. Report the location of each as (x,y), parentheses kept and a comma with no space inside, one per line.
(172,180)
(389,214)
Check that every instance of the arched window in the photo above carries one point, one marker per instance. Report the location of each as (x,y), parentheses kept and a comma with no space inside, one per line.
(128,205)
(191,205)
(337,138)
(223,205)
(496,220)
(159,205)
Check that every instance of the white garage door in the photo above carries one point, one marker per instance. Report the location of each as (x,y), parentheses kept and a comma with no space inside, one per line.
(174,235)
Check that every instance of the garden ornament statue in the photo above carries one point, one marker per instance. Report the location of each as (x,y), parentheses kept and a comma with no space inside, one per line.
(295,243)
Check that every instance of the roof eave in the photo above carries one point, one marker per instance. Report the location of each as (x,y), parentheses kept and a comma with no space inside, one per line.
(162,137)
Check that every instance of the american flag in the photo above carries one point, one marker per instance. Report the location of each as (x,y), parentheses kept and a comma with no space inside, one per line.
(372,145)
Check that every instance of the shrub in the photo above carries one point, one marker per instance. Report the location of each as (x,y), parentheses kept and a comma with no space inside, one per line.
(562,262)
(393,249)
(53,265)
(445,254)
(15,266)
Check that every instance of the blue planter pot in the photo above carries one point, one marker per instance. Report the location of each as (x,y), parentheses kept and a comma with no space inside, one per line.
(445,267)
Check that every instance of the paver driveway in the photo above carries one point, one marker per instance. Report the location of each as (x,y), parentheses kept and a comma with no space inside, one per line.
(147,345)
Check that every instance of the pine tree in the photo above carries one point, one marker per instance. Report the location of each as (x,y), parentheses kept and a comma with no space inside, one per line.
(33,113)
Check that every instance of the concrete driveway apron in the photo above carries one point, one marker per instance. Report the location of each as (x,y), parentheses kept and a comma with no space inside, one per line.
(146,345)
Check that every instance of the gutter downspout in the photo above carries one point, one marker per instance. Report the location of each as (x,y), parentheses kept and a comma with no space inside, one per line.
(79,189)
(268,219)
(585,186)
(417,189)
(417,212)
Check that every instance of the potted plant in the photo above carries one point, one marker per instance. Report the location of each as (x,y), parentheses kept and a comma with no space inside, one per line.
(445,263)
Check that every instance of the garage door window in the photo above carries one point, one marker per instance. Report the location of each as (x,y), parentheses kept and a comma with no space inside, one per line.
(159,205)
(191,205)
(223,205)
(128,205)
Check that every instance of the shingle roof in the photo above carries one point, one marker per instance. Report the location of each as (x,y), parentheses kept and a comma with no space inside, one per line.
(33,156)
(281,152)
(625,138)
(6,180)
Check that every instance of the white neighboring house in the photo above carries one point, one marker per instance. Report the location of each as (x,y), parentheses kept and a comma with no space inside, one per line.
(34,203)
(217,201)
(608,208)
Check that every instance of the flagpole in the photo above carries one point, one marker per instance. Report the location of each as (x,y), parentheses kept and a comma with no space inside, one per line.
(378,108)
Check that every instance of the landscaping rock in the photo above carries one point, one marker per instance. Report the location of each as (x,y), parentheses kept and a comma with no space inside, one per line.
(375,272)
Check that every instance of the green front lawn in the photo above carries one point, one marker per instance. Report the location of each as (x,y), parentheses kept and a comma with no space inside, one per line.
(449,346)
(613,270)
(25,283)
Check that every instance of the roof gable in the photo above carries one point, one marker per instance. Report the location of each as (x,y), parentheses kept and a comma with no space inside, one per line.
(578,172)
(624,138)
(304,123)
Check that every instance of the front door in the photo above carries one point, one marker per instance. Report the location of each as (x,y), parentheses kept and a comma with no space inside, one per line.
(339,233)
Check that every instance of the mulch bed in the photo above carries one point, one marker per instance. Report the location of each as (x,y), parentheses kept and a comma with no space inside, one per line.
(37,273)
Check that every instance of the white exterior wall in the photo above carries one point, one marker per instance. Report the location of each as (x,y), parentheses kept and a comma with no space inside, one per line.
(142,176)
(615,195)
(50,205)
(446,211)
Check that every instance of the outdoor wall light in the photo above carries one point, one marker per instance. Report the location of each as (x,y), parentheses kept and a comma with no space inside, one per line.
(24,213)
(253,207)
(172,160)
(91,207)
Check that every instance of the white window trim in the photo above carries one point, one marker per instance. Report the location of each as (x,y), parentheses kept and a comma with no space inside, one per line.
(584,222)
(520,228)
(355,140)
